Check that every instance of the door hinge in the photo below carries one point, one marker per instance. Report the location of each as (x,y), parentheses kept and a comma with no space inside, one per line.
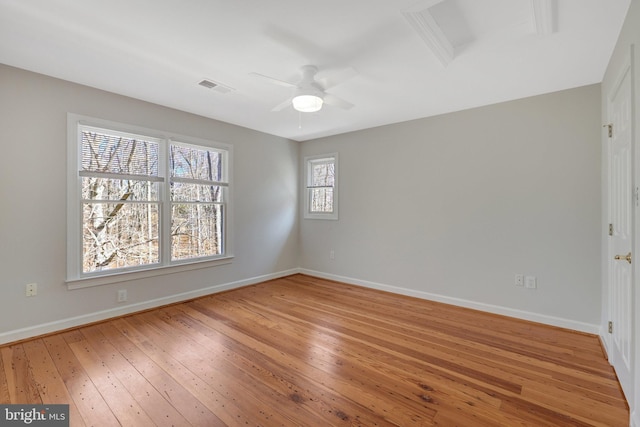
(609,129)
(610,229)
(610,327)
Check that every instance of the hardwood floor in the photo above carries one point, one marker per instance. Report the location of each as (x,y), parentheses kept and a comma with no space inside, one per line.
(301,351)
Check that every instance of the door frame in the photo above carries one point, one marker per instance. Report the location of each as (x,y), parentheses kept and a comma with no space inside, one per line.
(634,401)
(633,395)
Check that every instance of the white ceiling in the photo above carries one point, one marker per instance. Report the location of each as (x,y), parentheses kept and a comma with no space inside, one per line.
(411,58)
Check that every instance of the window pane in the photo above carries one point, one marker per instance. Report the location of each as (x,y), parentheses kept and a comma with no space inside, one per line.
(196,230)
(321,200)
(117,154)
(119,235)
(118,189)
(181,192)
(193,163)
(322,174)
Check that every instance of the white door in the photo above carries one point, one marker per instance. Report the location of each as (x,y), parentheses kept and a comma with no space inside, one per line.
(621,208)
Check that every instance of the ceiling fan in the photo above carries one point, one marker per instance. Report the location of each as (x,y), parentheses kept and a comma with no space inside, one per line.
(309,93)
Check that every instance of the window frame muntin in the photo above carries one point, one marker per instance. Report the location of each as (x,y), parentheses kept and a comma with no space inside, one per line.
(224,184)
(308,188)
(75,277)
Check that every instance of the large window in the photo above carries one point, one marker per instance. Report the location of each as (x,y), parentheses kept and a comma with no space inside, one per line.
(321,199)
(139,200)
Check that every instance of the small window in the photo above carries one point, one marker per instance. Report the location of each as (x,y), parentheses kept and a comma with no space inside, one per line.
(321,199)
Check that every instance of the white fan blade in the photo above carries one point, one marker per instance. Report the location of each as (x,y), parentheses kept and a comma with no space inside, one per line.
(282,105)
(274,81)
(337,78)
(334,101)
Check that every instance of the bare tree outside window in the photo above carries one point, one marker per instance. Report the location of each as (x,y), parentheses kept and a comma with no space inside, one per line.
(196,202)
(120,204)
(122,201)
(322,180)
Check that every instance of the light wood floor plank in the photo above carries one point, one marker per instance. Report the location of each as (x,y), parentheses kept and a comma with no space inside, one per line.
(123,405)
(81,389)
(4,382)
(300,384)
(21,385)
(51,387)
(302,351)
(315,379)
(179,397)
(374,369)
(248,399)
(142,391)
(335,376)
(167,355)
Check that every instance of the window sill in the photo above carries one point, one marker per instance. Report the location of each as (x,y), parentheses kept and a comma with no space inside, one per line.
(88,282)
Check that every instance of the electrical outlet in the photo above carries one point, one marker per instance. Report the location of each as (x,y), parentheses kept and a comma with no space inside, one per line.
(122,295)
(31,289)
(519,280)
(530,282)
(332,254)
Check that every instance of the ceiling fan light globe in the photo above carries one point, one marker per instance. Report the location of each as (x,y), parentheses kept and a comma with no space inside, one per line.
(307,103)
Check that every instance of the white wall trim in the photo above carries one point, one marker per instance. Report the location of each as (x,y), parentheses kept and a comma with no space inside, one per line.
(603,341)
(72,322)
(635,419)
(505,311)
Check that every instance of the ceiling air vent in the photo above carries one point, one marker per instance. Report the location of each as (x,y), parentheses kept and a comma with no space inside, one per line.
(216,86)
(208,84)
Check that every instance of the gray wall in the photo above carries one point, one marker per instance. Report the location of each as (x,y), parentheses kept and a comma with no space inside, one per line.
(452,207)
(448,208)
(33,135)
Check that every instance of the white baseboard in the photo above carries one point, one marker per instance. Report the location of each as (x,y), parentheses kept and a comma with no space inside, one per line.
(604,341)
(635,418)
(72,322)
(505,311)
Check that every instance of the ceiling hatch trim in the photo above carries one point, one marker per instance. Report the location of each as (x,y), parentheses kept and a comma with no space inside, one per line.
(544,16)
(441,24)
(423,22)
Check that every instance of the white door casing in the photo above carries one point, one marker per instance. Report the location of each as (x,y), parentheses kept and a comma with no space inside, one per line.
(621,211)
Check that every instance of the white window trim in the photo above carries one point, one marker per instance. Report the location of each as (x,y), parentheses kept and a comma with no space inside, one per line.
(75,278)
(307,194)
